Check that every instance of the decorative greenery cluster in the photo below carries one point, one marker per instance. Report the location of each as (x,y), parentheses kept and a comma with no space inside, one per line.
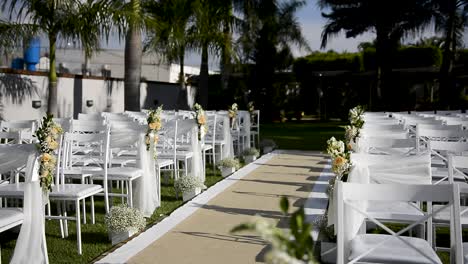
(154,125)
(201,121)
(229,163)
(251,108)
(183,184)
(122,218)
(47,134)
(251,152)
(292,246)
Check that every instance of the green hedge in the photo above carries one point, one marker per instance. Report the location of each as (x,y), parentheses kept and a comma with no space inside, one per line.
(330,61)
(405,57)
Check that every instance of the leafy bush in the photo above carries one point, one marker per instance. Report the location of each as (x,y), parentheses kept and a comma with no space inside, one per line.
(229,163)
(122,218)
(251,152)
(328,61)
(183,184)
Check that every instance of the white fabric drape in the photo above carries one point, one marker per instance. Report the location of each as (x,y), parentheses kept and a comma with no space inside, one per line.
(228,150)
(146,188)
(189,128)
(245,126)
(31,244)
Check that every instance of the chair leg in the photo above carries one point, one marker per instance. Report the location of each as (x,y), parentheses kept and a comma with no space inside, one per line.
(59,211)
(130,192)
(78,226)
(93,218)
(84,211)
(65,221)
(123,188)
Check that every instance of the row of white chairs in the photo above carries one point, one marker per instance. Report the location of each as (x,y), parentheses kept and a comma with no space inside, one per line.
(400,154)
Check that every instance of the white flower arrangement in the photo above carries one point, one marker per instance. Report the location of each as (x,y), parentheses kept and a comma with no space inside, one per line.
(47,134)
(229,163)
(351,133)
(201,121)
(251,152)
(154,125)
(356,116)
(233,111)
(122,218)
(335,147)
(340,158)
(187,183)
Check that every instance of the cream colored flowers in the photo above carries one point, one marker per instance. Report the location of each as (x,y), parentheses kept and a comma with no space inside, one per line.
(48,135)
(201,121)
(154,125)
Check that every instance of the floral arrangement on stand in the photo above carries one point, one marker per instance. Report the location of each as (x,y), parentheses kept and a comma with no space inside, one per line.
(154,125)
(232,111)
(356,120)
(47,134)
(201,121)
(340,161)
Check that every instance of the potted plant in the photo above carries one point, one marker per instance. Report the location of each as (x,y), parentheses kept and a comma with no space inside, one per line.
(228,166)
(250,155)
(123,222)
(189,187)
(267,145)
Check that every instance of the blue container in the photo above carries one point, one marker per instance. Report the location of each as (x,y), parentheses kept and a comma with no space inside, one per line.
(17,64)
(32,54)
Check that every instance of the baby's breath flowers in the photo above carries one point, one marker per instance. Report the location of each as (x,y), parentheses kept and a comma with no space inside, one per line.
(122,218)
(47,134)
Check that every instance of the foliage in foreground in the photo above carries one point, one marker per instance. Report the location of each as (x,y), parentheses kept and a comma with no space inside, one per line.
(294,245)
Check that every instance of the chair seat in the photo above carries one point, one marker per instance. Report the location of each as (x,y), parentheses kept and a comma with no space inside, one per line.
(83,170)
(393,250)
(74,191)
(123,161)
(161,163)
(400,211)
(10,217)
(123,173)
(444,215)
(439,173)
(207,147)
(12,190)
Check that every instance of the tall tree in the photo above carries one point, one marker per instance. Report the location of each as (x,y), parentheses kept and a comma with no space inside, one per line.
(54,19)
(207,35)
(270,28)
(169,36)
(451,19)
(133,56)
(390,20)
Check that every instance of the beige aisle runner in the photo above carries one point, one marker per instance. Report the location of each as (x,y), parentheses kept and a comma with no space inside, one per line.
(204,236)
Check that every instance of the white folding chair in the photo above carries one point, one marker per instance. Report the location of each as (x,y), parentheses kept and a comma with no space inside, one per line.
(393,248)
(70,192)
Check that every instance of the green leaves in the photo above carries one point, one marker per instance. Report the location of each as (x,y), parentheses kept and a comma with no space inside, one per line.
(296,242)
(284,205)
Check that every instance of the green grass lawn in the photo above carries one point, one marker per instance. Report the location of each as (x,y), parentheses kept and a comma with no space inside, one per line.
(306,135)
(94,237)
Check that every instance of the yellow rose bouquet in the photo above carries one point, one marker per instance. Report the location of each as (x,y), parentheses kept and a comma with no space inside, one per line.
(201,121)
(48,135)
(154,125)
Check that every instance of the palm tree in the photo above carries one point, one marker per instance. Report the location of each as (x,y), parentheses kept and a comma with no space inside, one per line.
(451,19)
(390,20)
(207,35)
(169,36)
(64,19)
(269,29)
